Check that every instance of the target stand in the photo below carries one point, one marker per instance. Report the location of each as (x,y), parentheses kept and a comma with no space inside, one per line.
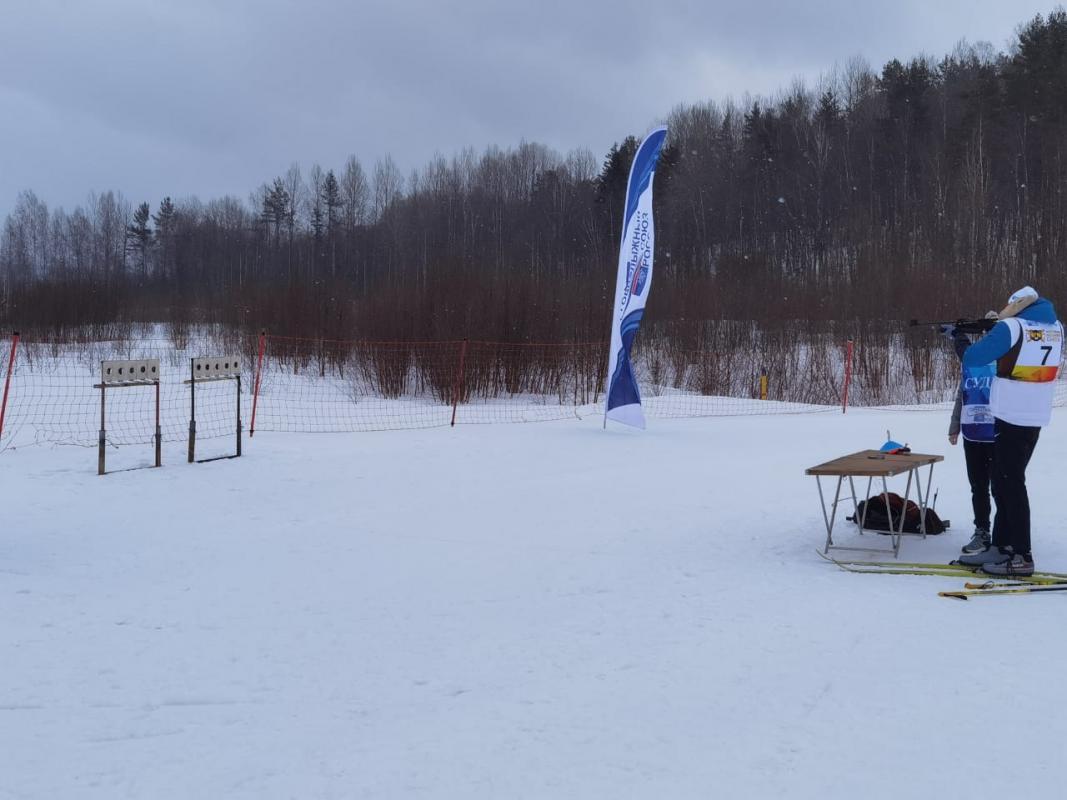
(124,375)
(210,370)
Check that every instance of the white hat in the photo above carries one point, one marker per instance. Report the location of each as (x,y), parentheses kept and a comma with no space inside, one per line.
(1026,296)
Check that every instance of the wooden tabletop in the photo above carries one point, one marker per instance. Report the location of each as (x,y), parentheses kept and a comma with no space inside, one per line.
(872,463)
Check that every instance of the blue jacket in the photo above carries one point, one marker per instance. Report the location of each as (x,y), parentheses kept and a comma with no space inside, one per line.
(997,342)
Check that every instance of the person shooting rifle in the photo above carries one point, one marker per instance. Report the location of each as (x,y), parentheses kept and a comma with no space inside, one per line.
(971,417)
(1026,346)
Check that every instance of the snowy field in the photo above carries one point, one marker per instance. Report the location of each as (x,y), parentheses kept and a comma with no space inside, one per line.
(511,611)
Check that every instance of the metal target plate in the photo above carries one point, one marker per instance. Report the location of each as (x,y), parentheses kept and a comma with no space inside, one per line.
(135,371)
(215,367)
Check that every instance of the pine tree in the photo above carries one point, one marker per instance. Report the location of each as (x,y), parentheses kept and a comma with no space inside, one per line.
(139,237)
(611,183)
(332,204)
(164,221)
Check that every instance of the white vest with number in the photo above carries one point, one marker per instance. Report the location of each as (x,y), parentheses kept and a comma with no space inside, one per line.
(1025,386)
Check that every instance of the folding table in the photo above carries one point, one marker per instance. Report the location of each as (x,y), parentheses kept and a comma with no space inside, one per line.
(873,464)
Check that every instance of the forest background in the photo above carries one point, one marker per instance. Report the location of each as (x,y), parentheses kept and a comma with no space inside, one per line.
(930,189)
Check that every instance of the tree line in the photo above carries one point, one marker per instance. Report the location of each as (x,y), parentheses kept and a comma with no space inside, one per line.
(930,188)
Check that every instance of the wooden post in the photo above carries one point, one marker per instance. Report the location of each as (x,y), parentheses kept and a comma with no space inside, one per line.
(159,432)
(238,416)
(762,387)
(192,410)
(102,443)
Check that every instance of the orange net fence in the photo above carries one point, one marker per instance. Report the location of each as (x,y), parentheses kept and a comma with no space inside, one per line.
(317,385)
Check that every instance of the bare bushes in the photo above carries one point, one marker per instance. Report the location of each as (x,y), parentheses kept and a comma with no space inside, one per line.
(802,361)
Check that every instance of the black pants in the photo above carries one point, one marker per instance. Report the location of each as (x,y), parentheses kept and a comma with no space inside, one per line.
(979,457)
(1013,445)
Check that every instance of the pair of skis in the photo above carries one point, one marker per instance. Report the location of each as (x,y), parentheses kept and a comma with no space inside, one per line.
(1038,582)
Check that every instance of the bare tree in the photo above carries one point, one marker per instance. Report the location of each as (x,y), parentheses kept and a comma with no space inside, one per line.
(356,194)
(388,185)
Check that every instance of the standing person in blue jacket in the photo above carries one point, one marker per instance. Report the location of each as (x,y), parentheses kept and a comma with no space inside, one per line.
(1027,345)
(972,418)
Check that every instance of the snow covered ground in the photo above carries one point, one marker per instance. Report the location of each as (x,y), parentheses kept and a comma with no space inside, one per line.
(543,611)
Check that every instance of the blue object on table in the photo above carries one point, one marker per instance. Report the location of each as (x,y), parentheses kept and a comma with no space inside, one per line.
(892,448)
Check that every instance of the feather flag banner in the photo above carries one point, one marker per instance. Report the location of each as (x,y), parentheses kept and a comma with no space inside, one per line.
(632,284)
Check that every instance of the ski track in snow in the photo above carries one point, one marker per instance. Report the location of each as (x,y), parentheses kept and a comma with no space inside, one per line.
(542,611)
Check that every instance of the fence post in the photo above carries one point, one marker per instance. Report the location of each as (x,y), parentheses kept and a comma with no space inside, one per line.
(192,410)
(255,390)
(458,383)
(848,376)
(7,380)
(159,431)
(238,415)
(763,387)
(101,442)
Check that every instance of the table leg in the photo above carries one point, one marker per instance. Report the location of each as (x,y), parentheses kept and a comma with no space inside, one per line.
(903,511)
(855,503)
(921,502)
(925,498)
(889,517)
(866,504)
(829,519)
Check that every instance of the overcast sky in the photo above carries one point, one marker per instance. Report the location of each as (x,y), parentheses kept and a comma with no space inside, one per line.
(182,97)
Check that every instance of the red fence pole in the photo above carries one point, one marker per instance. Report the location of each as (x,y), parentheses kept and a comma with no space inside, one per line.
(848,376)
(458,382)
(255,391)
(7,380)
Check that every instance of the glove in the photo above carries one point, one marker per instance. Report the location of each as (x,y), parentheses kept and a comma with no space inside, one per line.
(949,332)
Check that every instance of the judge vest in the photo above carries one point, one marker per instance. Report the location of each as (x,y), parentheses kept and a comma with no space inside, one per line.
(1025,385)
(976,419)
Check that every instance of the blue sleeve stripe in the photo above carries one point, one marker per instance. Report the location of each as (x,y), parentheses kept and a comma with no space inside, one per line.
(990,347)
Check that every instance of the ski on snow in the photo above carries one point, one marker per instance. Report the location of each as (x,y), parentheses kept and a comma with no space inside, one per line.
(1004,589)
(954,570)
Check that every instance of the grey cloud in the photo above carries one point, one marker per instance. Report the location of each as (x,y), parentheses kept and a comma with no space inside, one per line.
(213,98)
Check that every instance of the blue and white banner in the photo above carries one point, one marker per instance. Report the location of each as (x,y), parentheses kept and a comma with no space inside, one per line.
(632,283)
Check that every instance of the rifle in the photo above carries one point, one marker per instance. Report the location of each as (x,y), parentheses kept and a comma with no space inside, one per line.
(976,327)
